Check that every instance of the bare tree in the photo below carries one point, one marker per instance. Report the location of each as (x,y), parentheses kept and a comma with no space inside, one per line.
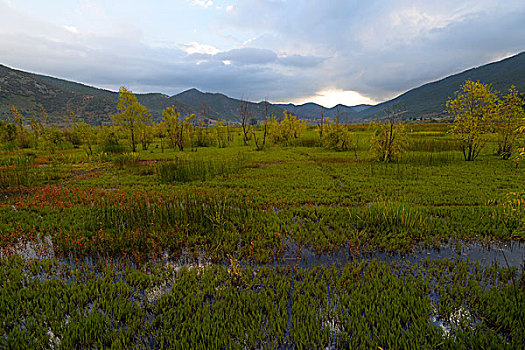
(245,116)
(260,146)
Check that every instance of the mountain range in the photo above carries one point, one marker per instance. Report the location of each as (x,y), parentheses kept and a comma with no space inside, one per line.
(28,92)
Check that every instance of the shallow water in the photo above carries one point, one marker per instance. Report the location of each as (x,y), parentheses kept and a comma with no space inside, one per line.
(511,254)
(500,254)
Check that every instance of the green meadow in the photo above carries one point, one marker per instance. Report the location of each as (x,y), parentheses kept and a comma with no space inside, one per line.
(201,248)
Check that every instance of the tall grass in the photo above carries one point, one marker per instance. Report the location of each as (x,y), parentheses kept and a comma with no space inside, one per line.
(180,170)
(195,221)
(126,159)
(17,160)
(27,176)
(432,144)
(431,158)
(113,148)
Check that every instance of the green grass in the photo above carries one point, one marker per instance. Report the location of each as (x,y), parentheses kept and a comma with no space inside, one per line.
(364,304)
(192,170)
(241,209)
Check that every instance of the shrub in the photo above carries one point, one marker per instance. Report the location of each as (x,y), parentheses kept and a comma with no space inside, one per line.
(389,140)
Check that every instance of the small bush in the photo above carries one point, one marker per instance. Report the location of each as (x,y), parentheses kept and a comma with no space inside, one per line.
(389,141)
(338,137)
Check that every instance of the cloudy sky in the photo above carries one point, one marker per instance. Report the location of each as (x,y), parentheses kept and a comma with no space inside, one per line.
(335,51)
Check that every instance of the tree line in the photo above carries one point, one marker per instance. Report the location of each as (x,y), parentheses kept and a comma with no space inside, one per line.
(478,113)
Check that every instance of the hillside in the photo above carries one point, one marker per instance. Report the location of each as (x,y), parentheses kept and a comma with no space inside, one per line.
(429,100)
(28,91)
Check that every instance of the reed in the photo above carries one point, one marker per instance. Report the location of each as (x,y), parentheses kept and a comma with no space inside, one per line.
(180,170)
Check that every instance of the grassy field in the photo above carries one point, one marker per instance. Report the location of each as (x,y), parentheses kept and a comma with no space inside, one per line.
(169,249)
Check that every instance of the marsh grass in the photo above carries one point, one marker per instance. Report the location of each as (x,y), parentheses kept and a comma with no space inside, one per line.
(363,304)
(418,143)
(180,170)
(32,175)
(125,159)
(18,160)
(114,148)
(142,227)
(430,158)
(110,211)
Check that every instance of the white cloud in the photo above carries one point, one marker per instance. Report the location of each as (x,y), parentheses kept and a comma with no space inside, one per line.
(197,48)
(71,29)
(203,3)
(229,8)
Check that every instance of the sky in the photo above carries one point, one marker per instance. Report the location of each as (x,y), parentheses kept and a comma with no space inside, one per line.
(329,52)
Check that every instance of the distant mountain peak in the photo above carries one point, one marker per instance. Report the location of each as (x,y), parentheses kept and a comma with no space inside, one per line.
(191,91)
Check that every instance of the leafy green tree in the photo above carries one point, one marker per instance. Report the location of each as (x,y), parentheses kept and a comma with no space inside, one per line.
(7,132)
(510,119)
(108,138)
(292,127)
(289,128)
(390,137)
(145,135)
(177,129)
(22,137)
(132,114)
(87,135)
(389,140)
(336,136)
(52,137)
(17,120)
(37,130)
(201,136)
(160,130)
(474,108)
(44,116)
